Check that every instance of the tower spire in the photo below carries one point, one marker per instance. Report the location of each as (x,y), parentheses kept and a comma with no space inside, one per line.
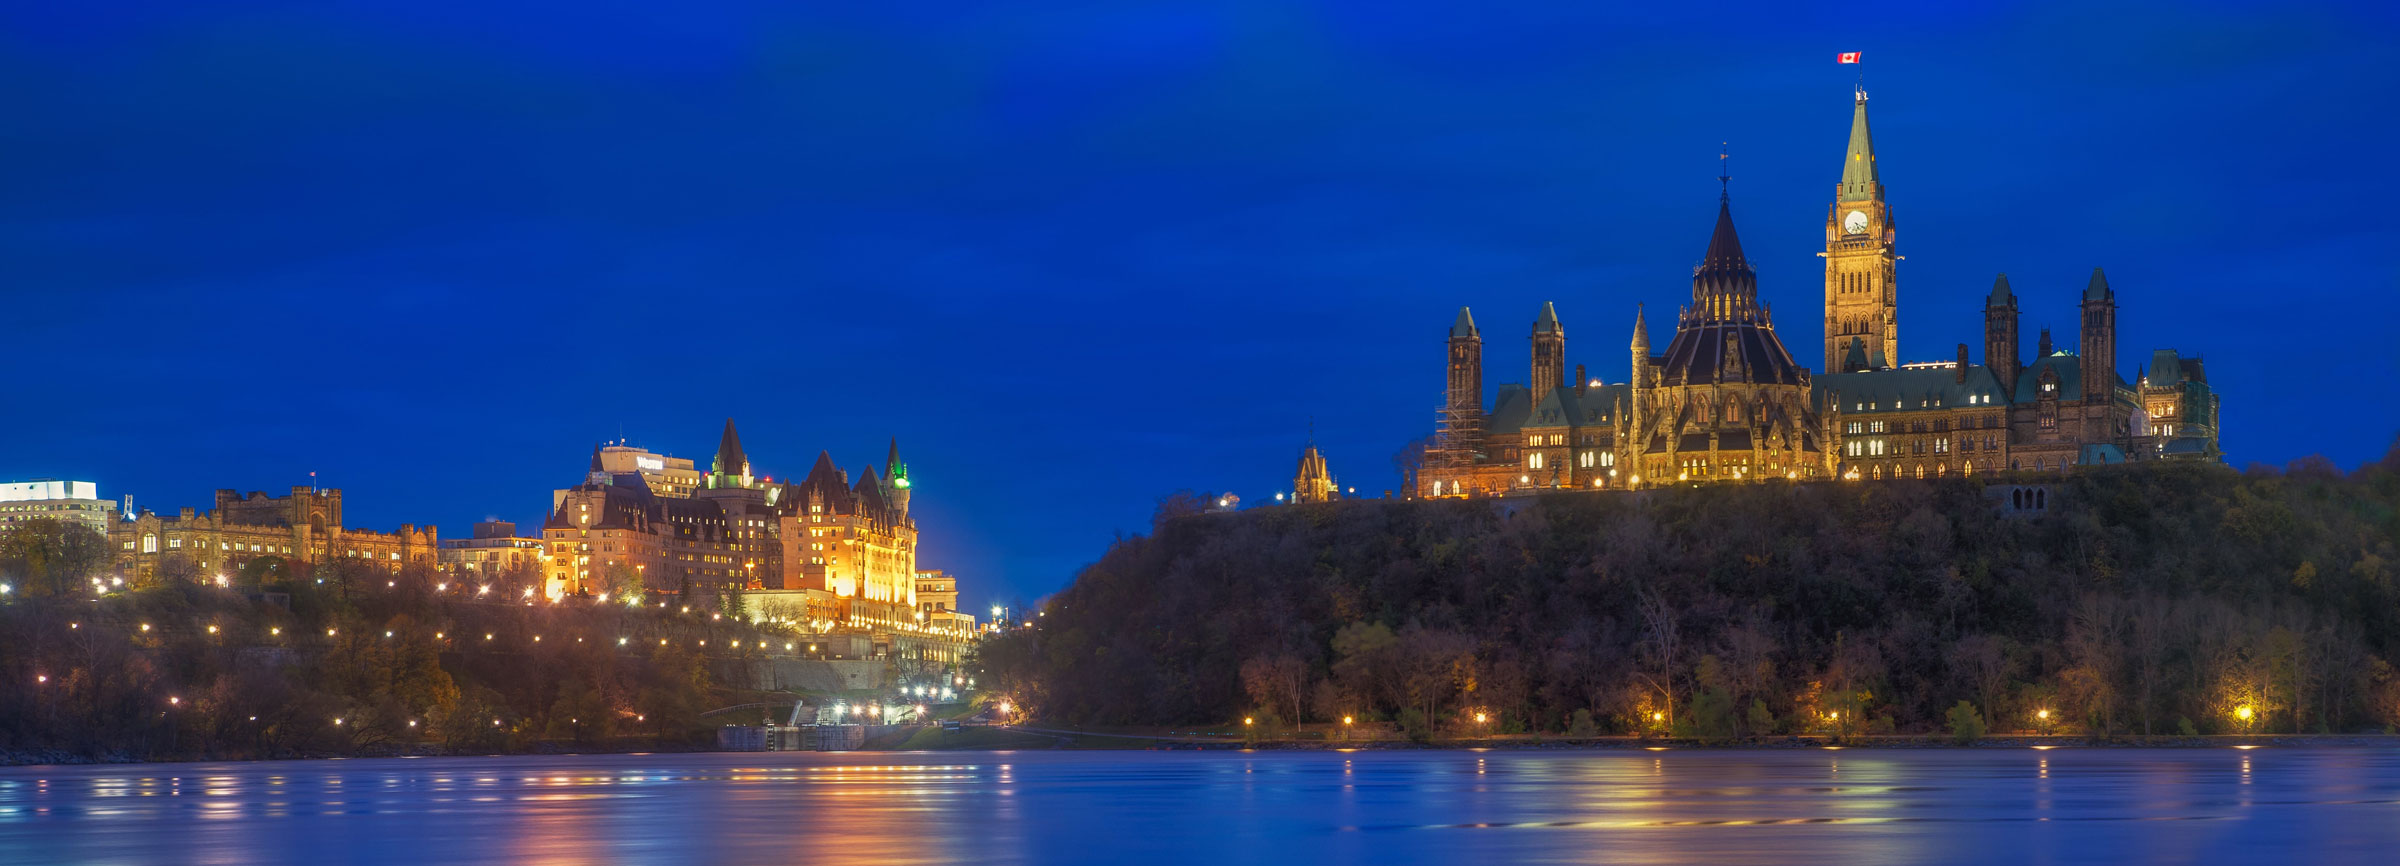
(1859,180)
(732,466)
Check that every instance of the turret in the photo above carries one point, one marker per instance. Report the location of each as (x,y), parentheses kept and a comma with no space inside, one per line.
(1549,353)
(732,467)
(1466,369)
(2097,340)
(2000,334)
(897,473)
(1638,375)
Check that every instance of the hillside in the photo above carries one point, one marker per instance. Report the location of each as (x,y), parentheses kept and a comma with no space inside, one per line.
(2147,599)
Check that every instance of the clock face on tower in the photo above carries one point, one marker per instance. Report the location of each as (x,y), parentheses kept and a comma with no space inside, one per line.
(1855,223)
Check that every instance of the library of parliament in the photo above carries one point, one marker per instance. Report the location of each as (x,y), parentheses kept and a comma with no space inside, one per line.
(1725,401)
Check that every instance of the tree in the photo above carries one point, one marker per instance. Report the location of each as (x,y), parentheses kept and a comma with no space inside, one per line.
(1966,725)
(1435,664)
(178,569)
(1366,659)
(1276,680)
(1662,647)
(1175,506)
(1409,461)
(580,713)
(1712,715)
(1983,660)
(51,556)
(1748,650)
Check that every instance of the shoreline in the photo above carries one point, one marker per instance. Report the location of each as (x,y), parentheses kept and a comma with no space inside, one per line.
(13,759)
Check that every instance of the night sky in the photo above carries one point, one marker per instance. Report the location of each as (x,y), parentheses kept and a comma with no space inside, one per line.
(1079,256)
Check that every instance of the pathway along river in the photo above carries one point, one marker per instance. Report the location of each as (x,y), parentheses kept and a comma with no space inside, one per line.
(2322,805)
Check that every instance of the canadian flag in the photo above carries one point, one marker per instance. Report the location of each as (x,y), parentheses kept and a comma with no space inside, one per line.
(1848,57)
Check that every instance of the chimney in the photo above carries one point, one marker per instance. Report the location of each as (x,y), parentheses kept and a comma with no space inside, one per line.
(1962,363)
(1582,382)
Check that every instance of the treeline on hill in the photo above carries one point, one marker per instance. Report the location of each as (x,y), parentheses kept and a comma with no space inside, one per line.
(364,662)
(2157,599)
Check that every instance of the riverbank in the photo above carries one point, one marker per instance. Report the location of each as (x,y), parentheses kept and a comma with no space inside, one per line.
(63,757)
(1021,736)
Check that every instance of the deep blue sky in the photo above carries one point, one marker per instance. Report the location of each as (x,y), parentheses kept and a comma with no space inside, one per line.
(1077,256)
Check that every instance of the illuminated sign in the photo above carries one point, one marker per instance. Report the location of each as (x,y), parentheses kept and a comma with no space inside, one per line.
(650,463)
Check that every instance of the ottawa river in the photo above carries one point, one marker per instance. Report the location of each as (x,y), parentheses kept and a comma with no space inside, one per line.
(1815,806)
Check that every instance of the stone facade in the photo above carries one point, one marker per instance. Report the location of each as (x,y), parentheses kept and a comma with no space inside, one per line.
(304,527)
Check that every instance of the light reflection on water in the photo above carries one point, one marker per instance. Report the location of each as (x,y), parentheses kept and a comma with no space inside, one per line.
(1680,806)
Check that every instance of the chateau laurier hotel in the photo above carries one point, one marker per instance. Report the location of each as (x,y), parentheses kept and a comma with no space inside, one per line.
(1725,401)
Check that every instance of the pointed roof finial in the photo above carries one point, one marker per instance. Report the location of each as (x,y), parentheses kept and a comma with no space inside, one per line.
(1724,171)
(1547,322)
(2097,289)
(1464,327)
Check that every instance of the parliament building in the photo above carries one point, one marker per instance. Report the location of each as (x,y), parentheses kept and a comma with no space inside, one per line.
(1725,401)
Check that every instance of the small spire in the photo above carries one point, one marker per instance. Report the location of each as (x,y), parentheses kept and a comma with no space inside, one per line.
(1641,331)
(2001,295)
(730,460)
(1464,327)
(1859,179)
(2098,289)
(1547,322)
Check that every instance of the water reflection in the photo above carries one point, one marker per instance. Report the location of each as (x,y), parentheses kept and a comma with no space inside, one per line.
(1681,806)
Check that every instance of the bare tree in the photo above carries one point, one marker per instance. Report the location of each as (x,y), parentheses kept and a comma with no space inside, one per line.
(2147,642)
(1662,646)
(1983,661)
